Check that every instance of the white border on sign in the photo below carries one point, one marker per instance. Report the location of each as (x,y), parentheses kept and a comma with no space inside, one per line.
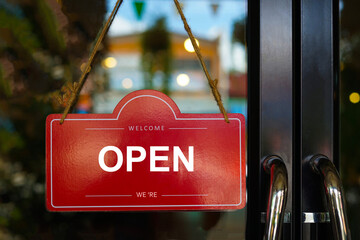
(144,206)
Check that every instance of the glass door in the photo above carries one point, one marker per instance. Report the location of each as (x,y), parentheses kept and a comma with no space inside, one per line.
(44,46)
(293,117)
(277,62)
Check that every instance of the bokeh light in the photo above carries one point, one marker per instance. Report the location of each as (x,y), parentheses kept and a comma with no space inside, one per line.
(188,45)
(354,97)
(183,80)
(127,83)
(109,62)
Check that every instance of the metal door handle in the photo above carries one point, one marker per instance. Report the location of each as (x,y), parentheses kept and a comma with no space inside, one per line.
(277,196)
(334,195)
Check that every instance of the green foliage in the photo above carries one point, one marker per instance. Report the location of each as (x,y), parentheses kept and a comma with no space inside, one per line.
(156,54)
(35,60)
(21,30)
(157,38)
(4,84)
(54,38)
(238,34)
(9,141)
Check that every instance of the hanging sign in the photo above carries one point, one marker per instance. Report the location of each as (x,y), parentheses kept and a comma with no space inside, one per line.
(146,155)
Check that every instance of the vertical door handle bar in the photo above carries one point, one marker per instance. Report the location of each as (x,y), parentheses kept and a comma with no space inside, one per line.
(277,197)
(334,195)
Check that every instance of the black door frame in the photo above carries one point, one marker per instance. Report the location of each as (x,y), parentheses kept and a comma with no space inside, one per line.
(293,105)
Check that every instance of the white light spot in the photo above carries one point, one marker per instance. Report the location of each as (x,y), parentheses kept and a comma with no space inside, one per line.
(183,80)
(188,45)
(127,83)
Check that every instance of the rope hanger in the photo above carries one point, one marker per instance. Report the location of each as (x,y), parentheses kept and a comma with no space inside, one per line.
(75,94)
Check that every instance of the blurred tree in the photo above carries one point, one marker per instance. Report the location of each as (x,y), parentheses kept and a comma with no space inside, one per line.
(238,37)
(41,49)
(238,34)
(156,54)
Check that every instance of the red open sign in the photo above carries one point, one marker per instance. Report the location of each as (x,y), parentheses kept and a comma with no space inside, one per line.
(146,155)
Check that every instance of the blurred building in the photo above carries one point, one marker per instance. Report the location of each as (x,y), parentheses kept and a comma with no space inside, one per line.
(188,85)
(238,92)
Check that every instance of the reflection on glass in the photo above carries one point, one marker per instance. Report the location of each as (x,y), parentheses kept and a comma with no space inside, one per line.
(44,45)
(154,50)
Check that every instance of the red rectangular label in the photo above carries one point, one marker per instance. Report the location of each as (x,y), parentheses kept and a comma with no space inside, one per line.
(146,155)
